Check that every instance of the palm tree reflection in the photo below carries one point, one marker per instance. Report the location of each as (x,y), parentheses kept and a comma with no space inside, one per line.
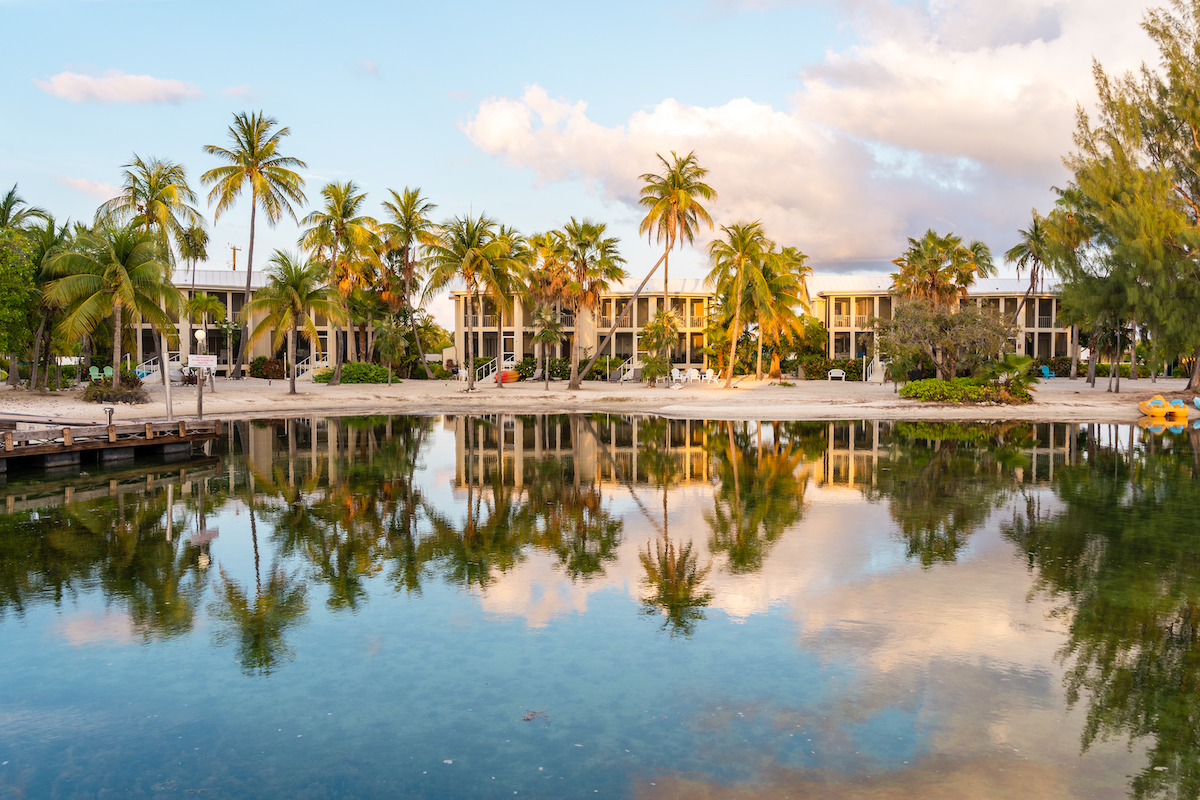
(674,582)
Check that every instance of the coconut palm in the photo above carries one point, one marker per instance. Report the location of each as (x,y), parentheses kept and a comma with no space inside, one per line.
(737,269)
(775,308)
(342,234)
(940,269)
(45,242)
(545,279)
(295,291)
(192,243)
(674,213)
(155,196)
(549,331)
(15,212)
(472,250)
(254,160)
(673,209)
(113,269)
(1033,251)
(203,305)
(593,264)
(409,228)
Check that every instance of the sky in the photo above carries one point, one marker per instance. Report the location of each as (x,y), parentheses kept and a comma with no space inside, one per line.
(845,127)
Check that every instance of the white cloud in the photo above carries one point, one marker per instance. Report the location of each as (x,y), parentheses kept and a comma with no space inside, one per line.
(96,189)
(952,116)
(245,91)
(115,86)
(369,67)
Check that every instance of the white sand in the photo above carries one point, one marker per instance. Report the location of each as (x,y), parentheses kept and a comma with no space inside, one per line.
(1057,399)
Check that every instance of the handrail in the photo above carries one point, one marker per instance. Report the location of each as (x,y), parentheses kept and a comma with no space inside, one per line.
(485,371)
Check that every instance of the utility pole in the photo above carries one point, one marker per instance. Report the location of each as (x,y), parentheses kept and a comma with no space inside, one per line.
(235,249)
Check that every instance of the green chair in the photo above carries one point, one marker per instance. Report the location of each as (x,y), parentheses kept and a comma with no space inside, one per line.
(108,372)
(94,372)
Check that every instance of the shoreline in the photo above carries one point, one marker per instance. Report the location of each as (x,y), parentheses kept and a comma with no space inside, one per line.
(1056,400)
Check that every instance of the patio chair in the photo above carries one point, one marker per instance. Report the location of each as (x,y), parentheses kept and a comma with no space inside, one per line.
(710,376)
(693,375)
(94,372)
(1046,373)
(836,374)
(108,373)
(676,379)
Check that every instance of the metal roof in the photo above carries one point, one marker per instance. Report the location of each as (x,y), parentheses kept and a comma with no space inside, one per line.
(828,285)
(220,279)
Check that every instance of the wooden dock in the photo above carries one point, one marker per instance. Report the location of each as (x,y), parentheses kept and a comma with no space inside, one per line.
(63,447)
(109,484)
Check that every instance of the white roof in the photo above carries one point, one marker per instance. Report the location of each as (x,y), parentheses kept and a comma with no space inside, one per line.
(827,285)
(1008,287)
(653,287)
(220,279)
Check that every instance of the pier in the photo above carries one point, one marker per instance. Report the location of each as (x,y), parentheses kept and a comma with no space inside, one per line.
(66,446)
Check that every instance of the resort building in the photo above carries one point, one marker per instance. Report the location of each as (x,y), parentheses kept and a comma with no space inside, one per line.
(847,304)
(508,336)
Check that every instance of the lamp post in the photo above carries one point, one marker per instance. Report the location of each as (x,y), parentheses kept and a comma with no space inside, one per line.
(200,337)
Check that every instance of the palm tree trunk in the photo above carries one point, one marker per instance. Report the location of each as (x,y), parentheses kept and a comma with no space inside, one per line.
(1133,370)
(1194,383)
(85,351)
(292,361)
(545,366)
(116,365)
(737,328)
(241,356)
(617,319)
(574,384)
(758,376)
(469,364)
(1074,352)
(1094,355)
(37,350)
(13,368)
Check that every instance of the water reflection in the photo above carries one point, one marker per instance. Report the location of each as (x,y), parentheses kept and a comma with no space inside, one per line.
(669,524)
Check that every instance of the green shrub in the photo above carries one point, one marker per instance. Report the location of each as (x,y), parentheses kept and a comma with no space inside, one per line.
(1059,365)
(817,367)
(963,391)
(270,368)
(356,372)
(526,367)
(102,391)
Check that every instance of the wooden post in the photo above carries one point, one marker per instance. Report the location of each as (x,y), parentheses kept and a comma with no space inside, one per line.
(182,429)
(149,431)
(67,437)
(8,441)
(112,433)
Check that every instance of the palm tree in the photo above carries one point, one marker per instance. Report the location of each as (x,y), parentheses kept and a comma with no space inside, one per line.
(737,268)
(295,291)
(549,331)
(203,305)
(594,264)
(940,269)
(673,210)
(545,280)
(193,246)
(344,234)
(674,579)
(254,159)
(155,196)
(410,227)
(112,269)
(1033,251)
(784,273)
(15,212)
(45,243)
(472,250)
(673,214)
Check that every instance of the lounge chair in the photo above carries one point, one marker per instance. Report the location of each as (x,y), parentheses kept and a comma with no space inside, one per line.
(710,376)
(1046,373)
(693,375)
(94,372)
(108,373)
(838,374)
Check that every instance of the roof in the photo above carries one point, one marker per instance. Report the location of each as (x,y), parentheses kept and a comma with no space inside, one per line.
(1008,287)
(827,285)
(219,279)
(653,287)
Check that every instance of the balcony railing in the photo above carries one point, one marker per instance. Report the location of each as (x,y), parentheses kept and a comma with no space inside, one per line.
(489,320)
(622,321)
(841,320)
(1045,322)
(860,320)
(566,319)
(696,322)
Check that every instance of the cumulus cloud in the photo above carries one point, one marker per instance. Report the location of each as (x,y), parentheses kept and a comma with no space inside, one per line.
(96,189)
(951,115)
(115,86)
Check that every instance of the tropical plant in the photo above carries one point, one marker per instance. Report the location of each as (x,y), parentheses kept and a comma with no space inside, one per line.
(15,213)
(674,581)
(593,265)
(192,243)
(343,235)
(549,332)
(737,269)
(471,250)
(110,271)
(295,291)
(659,334)
(155,196)
(940,269)
(409,228)
(1032,252)
(391,337)
(253,159)
(1013,371)
(45,242)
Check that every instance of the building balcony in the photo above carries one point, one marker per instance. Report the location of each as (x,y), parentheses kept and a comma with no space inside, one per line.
(1045,322)
(860,320)
(474,320)
(697,322)
(841,320)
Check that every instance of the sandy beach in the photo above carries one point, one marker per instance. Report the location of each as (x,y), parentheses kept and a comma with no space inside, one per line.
(1058,399)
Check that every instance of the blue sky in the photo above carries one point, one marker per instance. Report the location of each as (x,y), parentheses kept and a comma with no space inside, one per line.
(846,127)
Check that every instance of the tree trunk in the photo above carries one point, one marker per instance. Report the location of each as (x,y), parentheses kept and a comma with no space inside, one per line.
(470,362)
(116,365)
(1133,370)
(545,366)
(617,320)
(1154,360)
(85,350)
(758,376)
(1093,357)
(737,329)
(241,356)
(1194,383)
(14,369)
(1074,352)
(47,347)
(666,273)
(335,354)
(292,361)
(574,384)
(37,351)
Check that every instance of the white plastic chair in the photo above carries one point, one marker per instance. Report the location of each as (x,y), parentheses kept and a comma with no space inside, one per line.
(839,374)
(676,378)
(710,376)
(693,375)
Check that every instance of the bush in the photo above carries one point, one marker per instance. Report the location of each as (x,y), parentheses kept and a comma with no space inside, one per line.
(1059,365)
(102,391)
(526,367)
(270,368)
(963,391)
(817,367)
(356,372)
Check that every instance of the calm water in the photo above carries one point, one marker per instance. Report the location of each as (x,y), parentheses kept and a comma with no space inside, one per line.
(443,607)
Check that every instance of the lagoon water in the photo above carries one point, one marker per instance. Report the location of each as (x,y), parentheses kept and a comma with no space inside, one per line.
(605,606)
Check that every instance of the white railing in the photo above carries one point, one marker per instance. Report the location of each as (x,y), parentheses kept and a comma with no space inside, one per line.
(860,320)
(303,366)
(841,320)
(147,368)
(628,370)
(1045,322)
(486,371)
(876,371)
